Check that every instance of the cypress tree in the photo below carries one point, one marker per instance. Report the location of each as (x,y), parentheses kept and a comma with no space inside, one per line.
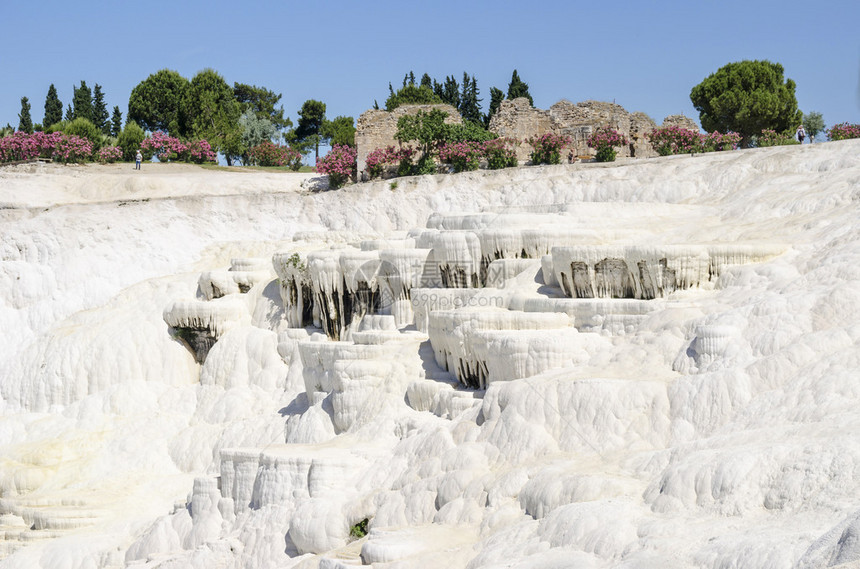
(517,88)
(100,112)
(426,81)
(116,122)
(70,114)
(53,108)
(470,104)
(25,123)
(496,98)
(83,102)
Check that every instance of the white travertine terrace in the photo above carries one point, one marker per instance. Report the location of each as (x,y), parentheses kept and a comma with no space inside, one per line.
(646,272)
(471,428)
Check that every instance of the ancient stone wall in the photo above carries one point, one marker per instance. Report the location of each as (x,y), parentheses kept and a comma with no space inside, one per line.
(376,128)
(518,119)
(681,121)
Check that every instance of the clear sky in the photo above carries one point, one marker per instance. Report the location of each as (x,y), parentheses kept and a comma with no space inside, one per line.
(645,55)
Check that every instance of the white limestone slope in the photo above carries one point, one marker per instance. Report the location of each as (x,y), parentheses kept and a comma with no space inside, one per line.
(714,426)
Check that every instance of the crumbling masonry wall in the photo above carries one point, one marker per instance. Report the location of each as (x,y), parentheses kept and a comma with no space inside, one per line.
(518,119)
(376,128)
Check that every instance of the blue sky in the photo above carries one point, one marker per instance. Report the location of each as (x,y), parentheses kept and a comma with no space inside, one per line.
(644,55)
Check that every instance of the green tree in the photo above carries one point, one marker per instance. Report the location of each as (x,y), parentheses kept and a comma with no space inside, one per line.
(255,130)
(411,95)
(516,88)
(25,123)
(747,97)
(426,81)
(129,141)
(448,92)
(813,123)
(70,114)
(156,102)
(213,113)
(496,98)
(262,101)
(311,119)
(116,122)
(470,104)
(340,130)
(428,129)
(53,107)
(82,103)
(100,112)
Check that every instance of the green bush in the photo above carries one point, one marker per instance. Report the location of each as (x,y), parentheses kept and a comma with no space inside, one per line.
(467,132)
(85,129)
(130,140)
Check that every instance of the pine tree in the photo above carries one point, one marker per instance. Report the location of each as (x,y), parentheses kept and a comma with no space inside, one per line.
(426,81)
(53,108)
(517,89)
(25,123)
(83,102)
(116,122)
(100,112)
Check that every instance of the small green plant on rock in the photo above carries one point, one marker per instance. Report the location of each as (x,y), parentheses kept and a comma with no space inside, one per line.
(359,530)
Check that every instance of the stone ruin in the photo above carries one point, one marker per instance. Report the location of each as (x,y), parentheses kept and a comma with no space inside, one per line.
(376,128)
(518,119)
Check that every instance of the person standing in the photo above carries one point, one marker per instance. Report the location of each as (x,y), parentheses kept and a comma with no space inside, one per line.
(137,158)
(801,134)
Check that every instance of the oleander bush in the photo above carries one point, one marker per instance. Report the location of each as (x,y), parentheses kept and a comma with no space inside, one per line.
(547,148)
(500,153)
(462,156)
(268,154)
(843,131)
(769,137)
(339,165)
(604,141)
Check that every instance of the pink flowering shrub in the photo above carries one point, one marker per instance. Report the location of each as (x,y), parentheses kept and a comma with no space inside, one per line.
(843,131)
(463,156)
(109,154)
(71,148)
(604,140)
(164,147)
(269,154)
(716,141)
(19,146)
(674,140)
(199,152)
(500,153)
(339,164)
(547,148)
(769,137)
(57,146)
(381,158)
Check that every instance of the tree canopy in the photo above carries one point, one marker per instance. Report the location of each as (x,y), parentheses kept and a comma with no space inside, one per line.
(100,112)
(813,123)
(340,130)
(262,101)
(82,103)
(212,113)
(53,107)
(156,102)
(411,94)
(517,88)
(25,122)
(311,119)
(747,97)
